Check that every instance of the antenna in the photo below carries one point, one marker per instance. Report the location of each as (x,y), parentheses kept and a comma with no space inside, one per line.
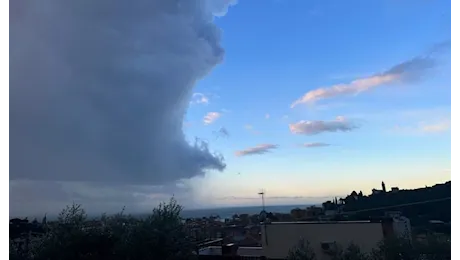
(262,194)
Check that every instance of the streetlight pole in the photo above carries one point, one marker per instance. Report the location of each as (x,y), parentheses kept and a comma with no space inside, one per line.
(262,194)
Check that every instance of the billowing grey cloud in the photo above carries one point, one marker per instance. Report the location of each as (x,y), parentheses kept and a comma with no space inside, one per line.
(259,149)
(406,71)
(340,124)
(313,145)
(36,198)
(99,89)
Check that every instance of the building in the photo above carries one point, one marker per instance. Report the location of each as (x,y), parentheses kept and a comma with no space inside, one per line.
(230,250)
(402,227)
(375,191)
(401,224)
(383,190)
(279,238)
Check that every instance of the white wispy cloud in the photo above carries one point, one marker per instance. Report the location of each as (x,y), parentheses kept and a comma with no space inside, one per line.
(403,72)
(314,145)
(267,116)
(432,127)
(211,117)
(259,149)
(199,98)
(347,76)
(340,124)
(352,88)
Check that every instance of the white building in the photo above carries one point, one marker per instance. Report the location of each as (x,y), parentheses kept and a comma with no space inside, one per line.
(402,227)
(324,237)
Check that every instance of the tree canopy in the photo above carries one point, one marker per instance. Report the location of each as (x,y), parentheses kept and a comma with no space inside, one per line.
(73,236)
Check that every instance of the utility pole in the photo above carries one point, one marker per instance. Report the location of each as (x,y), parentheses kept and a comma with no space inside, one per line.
(262,194)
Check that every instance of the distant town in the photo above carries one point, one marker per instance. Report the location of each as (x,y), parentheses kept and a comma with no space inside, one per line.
(415,214)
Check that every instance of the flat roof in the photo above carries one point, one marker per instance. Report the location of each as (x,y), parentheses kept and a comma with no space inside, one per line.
(324,222)
(242,251)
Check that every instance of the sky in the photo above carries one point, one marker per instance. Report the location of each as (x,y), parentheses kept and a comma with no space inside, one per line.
(213,101)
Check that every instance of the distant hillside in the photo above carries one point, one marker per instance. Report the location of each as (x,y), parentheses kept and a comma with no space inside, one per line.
(423,203)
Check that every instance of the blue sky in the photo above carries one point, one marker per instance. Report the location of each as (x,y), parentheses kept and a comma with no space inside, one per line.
(278,51)
(311,99)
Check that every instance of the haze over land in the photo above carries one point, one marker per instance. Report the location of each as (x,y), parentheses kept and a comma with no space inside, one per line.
(118,104)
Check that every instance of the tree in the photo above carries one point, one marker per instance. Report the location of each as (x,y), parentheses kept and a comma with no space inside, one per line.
(302,251)
(396,249)
(434,248)
(352,252)
(329,205)
(298,213)
(244,218)
(161,235)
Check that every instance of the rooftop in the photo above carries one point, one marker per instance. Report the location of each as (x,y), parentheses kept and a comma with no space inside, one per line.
(242,251)
(323,222)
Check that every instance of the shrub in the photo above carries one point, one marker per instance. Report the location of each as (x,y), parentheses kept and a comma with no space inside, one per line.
(395,249)
(161,235)
(302,251)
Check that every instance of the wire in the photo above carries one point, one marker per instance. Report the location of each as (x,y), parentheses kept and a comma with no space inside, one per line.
(396,206)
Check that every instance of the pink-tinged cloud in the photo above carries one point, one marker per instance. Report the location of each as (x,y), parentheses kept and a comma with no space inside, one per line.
(211,117)
(314,145)
(404,72)
(340,124)
(259,149)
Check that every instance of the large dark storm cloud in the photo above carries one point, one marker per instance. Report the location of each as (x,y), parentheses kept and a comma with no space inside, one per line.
(99,89)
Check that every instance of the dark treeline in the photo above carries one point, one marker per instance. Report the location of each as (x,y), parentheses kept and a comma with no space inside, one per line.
(18,227)
(423,204)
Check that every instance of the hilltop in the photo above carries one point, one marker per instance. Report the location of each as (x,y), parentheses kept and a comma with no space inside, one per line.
(422,203)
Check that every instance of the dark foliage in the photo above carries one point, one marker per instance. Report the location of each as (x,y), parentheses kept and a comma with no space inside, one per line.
(394,249)
(120,237)
(409,199)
